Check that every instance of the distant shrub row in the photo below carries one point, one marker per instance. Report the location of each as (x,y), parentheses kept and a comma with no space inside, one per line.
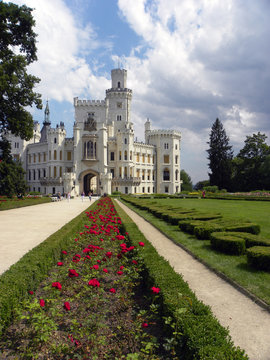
(226,235)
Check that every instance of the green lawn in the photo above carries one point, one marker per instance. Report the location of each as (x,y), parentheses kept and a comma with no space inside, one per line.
(235,267)
(7,204)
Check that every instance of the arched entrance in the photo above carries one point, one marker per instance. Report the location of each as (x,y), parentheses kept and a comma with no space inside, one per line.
(90,183)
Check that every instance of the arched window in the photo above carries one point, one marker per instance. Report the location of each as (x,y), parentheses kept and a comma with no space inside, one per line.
(90,149)
(60,154)
(125,172)
(130,155)
(125,140)
(54,171)
(119,84)
(55,155)
(166,174)
(176,175)
(126,155)
(34,174)
(55,140)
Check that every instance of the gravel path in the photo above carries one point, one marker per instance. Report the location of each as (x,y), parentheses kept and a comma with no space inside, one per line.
(249,324)
(24,228)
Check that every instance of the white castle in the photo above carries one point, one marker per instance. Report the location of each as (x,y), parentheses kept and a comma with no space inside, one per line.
(102,156)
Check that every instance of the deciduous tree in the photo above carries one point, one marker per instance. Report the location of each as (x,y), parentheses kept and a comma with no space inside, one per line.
(187,183)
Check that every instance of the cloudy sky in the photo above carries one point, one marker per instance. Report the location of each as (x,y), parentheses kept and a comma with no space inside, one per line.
(188,62)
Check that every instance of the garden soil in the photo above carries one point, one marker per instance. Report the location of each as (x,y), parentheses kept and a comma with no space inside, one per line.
(24,228)
(248,323)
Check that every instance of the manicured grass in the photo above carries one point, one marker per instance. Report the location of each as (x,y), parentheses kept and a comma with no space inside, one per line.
(8,204)
(235,267)
(255,211)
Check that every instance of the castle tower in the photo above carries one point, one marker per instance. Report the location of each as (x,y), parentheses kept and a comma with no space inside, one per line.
(46,124)
(119,99)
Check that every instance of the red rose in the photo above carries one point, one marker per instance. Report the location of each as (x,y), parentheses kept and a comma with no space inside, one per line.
(135,262)
(95,267)
(155,290)
(121,267)
(31,292)
(144,325)
(57,285)
(112,290)
(141,243)
(66,305)
(72,273)
(105,270)
(64,252)
(120,272)
(94,283)
(42,302)
(60,263)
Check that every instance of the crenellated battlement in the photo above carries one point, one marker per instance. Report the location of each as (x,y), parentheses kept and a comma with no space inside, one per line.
(164,133)
(119,90)
(69,140)
(78,102)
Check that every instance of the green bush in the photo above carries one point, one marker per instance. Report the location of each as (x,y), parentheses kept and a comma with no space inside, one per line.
(251,239)
(202,337)
(204,230)
(259,257)
(189,225)
(244,227)
(228,243)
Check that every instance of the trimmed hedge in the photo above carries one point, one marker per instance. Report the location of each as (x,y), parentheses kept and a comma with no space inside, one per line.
(203,338)
(32,268)
(228,243)
(259,257)
(251,239)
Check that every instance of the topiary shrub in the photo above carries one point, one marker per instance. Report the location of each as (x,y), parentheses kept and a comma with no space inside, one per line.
(244,227)
(259,257)
(252,239)
(189,225)
(228,243)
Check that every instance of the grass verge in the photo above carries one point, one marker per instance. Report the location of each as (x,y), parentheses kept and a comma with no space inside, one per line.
(234,267)
(8,204)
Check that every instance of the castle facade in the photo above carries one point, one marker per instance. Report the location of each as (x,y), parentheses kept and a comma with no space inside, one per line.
(102,156)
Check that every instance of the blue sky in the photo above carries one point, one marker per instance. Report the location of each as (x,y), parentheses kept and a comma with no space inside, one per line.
(188,62)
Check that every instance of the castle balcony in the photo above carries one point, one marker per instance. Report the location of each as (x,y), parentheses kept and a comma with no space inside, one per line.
(50,181)
(126,181)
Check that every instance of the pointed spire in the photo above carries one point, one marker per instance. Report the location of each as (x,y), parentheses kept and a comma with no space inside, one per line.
(47,115)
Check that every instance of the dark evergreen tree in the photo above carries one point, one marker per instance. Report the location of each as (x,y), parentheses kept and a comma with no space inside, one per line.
(220,156)
(17,51)
(187,183)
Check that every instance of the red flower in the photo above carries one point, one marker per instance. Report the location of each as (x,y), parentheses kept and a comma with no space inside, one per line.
(155,290)
(31,292)
(105,270)
(57,285)
(121,267)
(64,252)
(60,263)
(94,283)
(72,273)
(95,267)
(112,290)
(141,243)
(120,272)
(108,254)
(66,305)
(144,325)
(135,262)
(42,302)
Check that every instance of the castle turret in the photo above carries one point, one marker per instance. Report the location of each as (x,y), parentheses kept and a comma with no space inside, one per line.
(46,124)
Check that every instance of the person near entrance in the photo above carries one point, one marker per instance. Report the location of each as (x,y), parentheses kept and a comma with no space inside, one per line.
(90,195)
(82,195)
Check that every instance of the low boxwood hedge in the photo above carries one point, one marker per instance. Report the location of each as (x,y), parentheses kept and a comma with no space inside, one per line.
(259,257)
(203,338)
(228,243)
(252,239)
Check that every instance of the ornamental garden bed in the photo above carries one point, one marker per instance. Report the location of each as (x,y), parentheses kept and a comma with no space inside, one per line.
(109,295)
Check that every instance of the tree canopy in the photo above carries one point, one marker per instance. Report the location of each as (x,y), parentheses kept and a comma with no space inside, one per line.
(220,155)
(187,183)
(17,51)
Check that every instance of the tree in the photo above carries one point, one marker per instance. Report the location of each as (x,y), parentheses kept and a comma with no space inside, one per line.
(187,183)
(220,155)
(251,163)
(12,180)
(17,52)
(201,184)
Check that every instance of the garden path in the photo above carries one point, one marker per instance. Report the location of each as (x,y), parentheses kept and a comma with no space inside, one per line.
(248,323)
(24,228)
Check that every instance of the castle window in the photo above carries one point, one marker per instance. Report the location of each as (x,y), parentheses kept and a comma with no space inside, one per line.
(125,172)
(148,175)
(54,171)
(176,175)
(166,189)
(166,174)
(143,175)
(120,155)
(119,84)
(60,154)
(39,157)
(148,189)
(112,172)
(55,140)
(38,173)
(166,159)
(50,155)
(126,155)
(130,155)
(176,159)
(44,172)
(176,147)
(29,159)
(118,117)
(125,141)
(29,175)
(90,149)
(166,146)
(34,175)
(60,171)
(143,189)
(138,157)
(138,173)
(119,105)
(55,155)
(68,155)
(34,158)
(112,155)
(143,158)
(120,172)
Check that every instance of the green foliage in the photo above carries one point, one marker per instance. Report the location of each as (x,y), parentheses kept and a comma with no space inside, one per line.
(202,337)
(250,164)
(212,188)
(259,257)
(187,183)
(228,243)
(220,155)
(201,184)
(12,181)
(17,51)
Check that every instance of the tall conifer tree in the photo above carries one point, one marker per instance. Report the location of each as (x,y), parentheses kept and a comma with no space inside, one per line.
(220,155)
